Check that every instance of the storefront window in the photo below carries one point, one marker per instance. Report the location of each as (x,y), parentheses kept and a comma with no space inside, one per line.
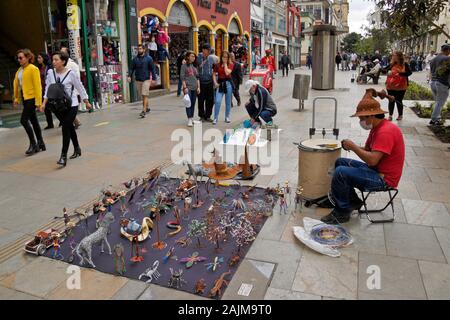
(56,13)
(281,24)
(269,19)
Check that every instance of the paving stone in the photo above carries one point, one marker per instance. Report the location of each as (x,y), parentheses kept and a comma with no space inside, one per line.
(251,272)
(415,174)
(436,278)
(132,290)
(375,296)
(434,191)
(412,241)
(8,294)
(155,292)
(274,226)
(368,237)
(408,190)
(326,276)
(399,277)
(274,251)
(281,294)
(94,285)
(426,213)
(7,236)
(443,236)
(51,274)
(439,175)
(14,264)
(428,151)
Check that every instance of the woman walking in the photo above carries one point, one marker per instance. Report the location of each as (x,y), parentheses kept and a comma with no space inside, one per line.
(28,89)
(236,78)
(190,78)
(224,86)
(44,65)
(70,81)
(397,82)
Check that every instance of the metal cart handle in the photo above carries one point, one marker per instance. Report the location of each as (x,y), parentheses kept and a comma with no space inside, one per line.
(335,130)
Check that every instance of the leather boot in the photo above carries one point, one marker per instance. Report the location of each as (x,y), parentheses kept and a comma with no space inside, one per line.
(32,149)
(63,160)
(76,153)
(41,145)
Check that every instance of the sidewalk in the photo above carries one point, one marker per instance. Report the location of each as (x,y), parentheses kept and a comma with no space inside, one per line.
(413,253)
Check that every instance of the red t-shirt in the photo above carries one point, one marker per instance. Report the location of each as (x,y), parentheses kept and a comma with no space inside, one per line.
(221,71)
(388,138)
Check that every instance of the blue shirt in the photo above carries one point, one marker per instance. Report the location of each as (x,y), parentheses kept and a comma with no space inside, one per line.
(143,66)
(205,68)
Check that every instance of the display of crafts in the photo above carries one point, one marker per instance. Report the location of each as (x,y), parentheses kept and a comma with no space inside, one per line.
(171,232)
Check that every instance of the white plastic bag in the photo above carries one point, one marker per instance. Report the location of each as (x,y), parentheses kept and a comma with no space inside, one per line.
(187,101)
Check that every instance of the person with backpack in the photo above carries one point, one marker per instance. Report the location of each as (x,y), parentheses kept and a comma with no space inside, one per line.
(397,82)
(61,98)
(43,63)
(28,89)
(338,60)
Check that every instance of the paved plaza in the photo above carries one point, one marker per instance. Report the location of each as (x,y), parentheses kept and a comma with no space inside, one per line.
(413,253)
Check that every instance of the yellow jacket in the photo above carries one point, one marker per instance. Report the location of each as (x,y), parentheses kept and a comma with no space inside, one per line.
(31,85)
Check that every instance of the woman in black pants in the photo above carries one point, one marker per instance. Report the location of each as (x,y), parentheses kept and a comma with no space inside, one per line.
(28,89)
(44,65)
(70,81)
(236,77)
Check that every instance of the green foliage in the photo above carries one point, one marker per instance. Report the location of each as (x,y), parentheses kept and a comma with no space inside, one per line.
(417,92)
(374,40)
(351,40)
(425,112)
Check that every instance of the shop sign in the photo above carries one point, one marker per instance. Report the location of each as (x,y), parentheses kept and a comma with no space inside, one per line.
(280,42)
(256,25)
(73,18)
(219,8)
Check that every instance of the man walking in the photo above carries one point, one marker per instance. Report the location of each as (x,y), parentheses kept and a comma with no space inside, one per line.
(145,76)
(205,69)
(440,72)
(285,62)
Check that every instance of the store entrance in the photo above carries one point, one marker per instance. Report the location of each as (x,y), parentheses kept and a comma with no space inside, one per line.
(180,39)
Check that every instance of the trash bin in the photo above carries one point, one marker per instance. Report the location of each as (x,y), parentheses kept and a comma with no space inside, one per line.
(301,89)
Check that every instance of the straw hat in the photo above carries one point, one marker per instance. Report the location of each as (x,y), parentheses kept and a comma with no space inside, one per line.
(221,171)
(368,106)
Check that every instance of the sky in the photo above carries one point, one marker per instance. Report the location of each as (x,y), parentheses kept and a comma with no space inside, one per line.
(359,9)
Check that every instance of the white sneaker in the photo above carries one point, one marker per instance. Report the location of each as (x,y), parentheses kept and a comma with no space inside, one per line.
(215,121)
(190,124)
(227,120)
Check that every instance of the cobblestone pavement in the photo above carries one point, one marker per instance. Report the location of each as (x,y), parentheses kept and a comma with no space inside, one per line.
(413,252)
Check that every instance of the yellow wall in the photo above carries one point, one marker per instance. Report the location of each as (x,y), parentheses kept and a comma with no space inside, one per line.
(21,25)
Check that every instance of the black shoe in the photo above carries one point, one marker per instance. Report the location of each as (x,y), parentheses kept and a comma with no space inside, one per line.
(63,160)
(336,217)
(239,103)
(436,123)
(76,153)
(32,149)
(48,127)
(148,110)
(60,125)
(41,145)
(142,114)
(356,204)
(208,120)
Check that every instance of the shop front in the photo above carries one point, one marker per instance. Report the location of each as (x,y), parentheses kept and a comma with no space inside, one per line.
(224,24)
(278,45)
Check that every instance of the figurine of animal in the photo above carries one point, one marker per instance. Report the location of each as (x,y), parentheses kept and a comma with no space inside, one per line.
(195,171)
(200,286)
(176,279)
(151,273)
(84,248)
(216,291)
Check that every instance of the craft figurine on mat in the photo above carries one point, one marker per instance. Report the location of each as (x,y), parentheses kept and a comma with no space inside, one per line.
(234,260)
(198,202)
(298,197)
(216,291)
(175,224)
(215,264)
(119,259)
(192,259)
(56,246)
(283,204)
(183,241)
(242,232)
(129,228)
(200,287)
(215,233)
(158,245)
(187,207)
(151,273)
(197,229)
(195,171)
(128,184)
(169,255)
(176,279)
(84,249)
(123,202)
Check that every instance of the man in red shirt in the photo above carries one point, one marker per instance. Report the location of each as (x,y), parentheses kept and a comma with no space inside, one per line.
(383,156)
(269,61)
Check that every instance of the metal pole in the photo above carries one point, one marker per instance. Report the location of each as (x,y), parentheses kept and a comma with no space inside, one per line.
(87,65)
(128,23)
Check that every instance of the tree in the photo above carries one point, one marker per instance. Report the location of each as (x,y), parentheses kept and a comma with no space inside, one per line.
(411,17)
(350,41)
(197,229)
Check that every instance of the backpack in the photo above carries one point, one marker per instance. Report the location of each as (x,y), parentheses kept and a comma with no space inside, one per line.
(396,82)
(58,99)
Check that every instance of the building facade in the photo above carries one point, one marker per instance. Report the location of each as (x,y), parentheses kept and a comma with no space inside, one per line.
(224,24)
(307,21)
(275,24)
(257,25)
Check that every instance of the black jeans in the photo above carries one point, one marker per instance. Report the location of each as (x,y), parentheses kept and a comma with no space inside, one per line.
(68,130)
(206,100)
(285,67)
(236,94)
(398,99)
(49,117)
(29,115)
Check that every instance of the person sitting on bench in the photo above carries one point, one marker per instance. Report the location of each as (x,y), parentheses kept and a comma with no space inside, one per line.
(374,72)
(383,156)
(263,107)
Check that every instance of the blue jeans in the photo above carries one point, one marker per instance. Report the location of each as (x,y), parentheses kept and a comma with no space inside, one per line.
(180,84)
(440,93)
(228,97)
(193,97)
(350,174)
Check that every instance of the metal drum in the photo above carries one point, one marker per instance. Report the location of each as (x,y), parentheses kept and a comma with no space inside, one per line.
(316,166)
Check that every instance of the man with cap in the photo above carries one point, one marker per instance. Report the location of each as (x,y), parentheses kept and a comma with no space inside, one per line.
(261,104)
(206,97)
(440,72)
(374,73)
(383,156)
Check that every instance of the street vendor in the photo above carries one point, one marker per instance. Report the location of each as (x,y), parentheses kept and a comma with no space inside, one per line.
(269,61)
(383,156)
(261,104)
